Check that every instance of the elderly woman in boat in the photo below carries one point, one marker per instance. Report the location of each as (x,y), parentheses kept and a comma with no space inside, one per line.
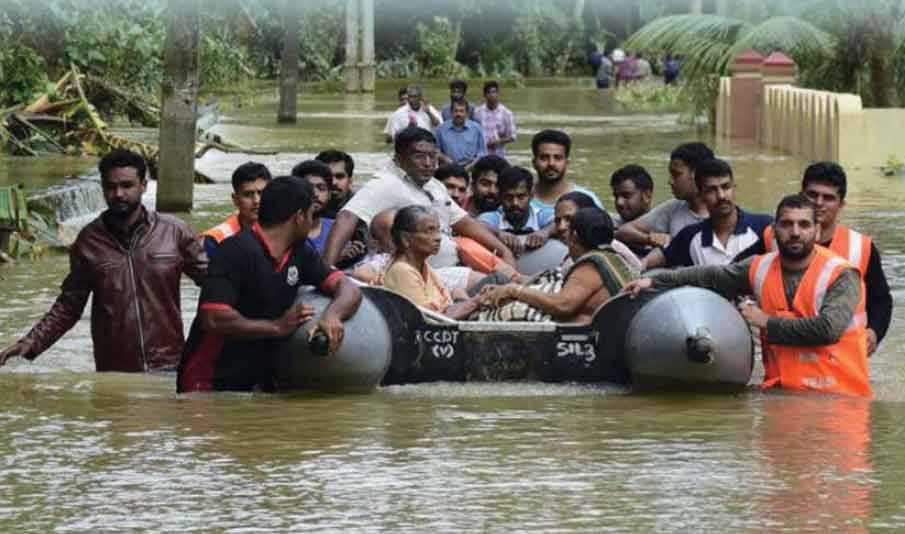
(416,236)
(598,273)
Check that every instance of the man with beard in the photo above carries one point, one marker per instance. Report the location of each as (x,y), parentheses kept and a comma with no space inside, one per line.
(248,180)
(416,112)
(130,261)
(318,176)
(656,227)
(825,183)
(484,193)
(342,167)
(517,223)
(633,189)
(808,304)
(720,238)
(550,150)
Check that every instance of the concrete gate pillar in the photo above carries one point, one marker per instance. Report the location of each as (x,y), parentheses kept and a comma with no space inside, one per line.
(745,96)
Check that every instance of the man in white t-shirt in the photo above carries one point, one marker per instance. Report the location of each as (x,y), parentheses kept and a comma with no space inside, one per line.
(409,180)
(417,112)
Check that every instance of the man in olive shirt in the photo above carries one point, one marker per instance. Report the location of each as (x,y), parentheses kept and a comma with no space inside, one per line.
(732,281)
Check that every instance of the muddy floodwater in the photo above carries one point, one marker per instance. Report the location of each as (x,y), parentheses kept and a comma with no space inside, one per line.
(85,452)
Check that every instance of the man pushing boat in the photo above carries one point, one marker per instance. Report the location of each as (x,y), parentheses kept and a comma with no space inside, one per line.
(809,305)
(247,303)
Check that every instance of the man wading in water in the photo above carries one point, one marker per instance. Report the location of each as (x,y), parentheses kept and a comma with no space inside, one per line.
(131,260)
(809,305)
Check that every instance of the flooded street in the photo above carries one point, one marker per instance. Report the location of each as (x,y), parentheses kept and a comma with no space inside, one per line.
(113,452)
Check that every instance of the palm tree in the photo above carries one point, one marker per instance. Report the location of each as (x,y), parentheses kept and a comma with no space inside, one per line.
(852,46)
(707,43)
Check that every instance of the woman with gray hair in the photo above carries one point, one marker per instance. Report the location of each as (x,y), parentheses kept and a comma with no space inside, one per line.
(416,236)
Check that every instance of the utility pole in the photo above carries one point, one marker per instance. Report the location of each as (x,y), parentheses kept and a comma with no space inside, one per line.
(367,73)
(353,80)
(359,68)
(289,70)
(179,107)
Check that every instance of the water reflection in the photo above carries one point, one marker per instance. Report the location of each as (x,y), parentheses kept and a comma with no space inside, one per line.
(816,451)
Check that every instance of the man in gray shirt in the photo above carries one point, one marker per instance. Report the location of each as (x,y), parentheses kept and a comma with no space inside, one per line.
(656,227)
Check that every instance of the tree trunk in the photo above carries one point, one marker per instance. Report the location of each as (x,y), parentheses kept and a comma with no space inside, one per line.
(881,25)
(350,70)
(882,81)
(179,96)
(289,70)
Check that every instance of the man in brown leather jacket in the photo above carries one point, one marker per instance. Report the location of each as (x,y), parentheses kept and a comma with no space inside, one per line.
(132,260)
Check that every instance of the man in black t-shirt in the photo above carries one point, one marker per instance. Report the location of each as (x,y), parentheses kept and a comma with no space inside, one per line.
(246,306)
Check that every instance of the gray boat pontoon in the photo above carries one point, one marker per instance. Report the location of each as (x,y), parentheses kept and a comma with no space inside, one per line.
(686,338)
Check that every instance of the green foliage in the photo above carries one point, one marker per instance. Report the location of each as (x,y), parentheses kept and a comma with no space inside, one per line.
(23,73)
(547,40)
(400,65)
(222,63)
(707,43)
(127,53)
(437,43)
(650,95)
(320,38)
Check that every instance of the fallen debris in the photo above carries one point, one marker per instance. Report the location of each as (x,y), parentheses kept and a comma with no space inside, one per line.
(67,120)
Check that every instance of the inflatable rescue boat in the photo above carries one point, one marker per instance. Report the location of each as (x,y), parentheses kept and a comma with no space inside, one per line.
(686,338)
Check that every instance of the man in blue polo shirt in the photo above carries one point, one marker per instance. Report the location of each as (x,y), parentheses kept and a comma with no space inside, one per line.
(518,223)
(247,303)
(719,238)
(460,140)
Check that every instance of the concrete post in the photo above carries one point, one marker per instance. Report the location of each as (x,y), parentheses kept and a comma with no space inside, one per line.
(179,106)
(745,96)
(779,69)
(351,69)
(367,72)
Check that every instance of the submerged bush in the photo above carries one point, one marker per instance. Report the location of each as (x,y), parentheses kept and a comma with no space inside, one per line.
(23,75)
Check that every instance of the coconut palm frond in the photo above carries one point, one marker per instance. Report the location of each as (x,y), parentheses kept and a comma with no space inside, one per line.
(792,35)
(674,33)
(703,40)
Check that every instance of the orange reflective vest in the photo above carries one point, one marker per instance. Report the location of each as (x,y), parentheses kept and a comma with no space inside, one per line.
(837,368)
(851,245)
(230,226)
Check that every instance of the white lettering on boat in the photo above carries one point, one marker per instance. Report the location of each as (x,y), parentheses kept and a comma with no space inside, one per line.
(584,350)
(441,343)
